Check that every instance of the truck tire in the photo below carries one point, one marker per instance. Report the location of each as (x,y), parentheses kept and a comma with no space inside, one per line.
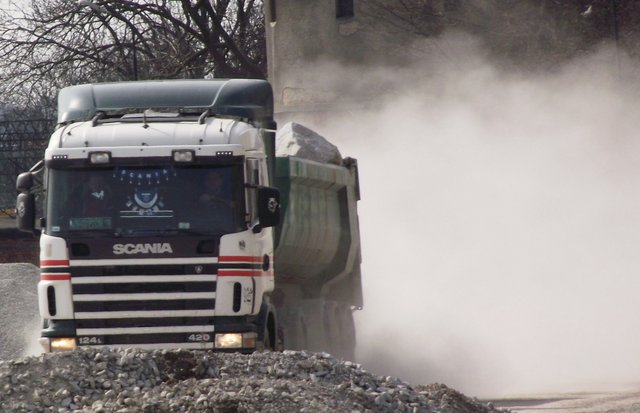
(330,327)
(348,334)
(293,324)
(333,327)
(340,330)
(315,324)
(268,338)
(266,345)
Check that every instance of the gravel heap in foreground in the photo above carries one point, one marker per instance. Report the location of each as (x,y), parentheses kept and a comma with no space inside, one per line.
(103,380)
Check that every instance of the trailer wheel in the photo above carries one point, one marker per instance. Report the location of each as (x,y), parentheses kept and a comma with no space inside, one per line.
(348,333)
(304,338)
(294,328)
(315,324)
(340,330)
(333,327)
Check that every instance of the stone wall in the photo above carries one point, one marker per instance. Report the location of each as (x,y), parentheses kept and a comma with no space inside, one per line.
(305,36)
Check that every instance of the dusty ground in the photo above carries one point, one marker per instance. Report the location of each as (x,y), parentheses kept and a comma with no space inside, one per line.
(611,402)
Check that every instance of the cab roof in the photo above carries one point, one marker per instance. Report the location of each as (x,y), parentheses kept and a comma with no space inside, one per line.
(249,99)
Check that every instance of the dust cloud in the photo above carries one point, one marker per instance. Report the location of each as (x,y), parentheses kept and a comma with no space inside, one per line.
(500,221)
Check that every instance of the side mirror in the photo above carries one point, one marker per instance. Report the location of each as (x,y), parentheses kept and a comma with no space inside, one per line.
(268,206)
(26,212)
(24,182)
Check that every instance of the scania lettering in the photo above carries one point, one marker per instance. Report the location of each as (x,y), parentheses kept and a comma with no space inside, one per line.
(171,222)
(156,248)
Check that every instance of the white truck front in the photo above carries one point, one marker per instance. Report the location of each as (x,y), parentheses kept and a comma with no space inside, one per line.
(158,214)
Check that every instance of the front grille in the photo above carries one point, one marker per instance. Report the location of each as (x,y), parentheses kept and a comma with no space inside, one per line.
(152,306)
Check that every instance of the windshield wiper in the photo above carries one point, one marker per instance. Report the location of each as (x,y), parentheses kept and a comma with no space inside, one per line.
(189,231)
(102,233)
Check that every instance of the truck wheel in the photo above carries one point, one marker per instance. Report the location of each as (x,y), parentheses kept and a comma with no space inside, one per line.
(340,330)
(267,340)
(294,327)
(314,314)
(348,333)
(280,339)
(267,329)
(265,344)
(333,327)
(304,338)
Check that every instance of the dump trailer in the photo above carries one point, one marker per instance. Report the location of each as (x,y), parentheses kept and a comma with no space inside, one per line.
(169,222)
(318,282)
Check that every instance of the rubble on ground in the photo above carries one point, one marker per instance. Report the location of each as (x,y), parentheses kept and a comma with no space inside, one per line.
(131,380)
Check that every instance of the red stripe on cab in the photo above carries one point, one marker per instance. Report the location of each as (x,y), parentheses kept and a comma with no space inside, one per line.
(239,273)
(236,258)
(55,277)
(54,263)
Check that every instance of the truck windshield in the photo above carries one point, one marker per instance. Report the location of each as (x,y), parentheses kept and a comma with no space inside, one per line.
(145,200)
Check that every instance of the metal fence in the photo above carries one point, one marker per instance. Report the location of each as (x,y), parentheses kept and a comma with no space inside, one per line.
(22,144)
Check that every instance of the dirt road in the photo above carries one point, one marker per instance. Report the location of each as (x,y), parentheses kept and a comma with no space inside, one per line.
(622,402)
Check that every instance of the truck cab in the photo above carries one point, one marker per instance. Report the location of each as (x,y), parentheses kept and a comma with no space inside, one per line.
(158,215)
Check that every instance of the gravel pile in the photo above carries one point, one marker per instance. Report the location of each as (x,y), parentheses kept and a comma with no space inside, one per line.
(104,380)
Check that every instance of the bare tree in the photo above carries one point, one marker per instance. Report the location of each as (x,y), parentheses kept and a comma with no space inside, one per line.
(532,33)
(413,17)
(52,43)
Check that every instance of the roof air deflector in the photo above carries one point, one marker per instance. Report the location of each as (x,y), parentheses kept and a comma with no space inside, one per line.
(239,98)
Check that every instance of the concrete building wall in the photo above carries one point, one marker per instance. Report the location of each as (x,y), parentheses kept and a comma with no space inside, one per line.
(304,35)
(308,46)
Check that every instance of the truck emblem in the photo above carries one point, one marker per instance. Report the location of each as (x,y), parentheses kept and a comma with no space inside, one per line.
(146,198)
(130,249)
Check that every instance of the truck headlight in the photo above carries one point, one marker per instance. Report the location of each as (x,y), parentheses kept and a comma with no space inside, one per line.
(63,344)
(100,157)
(183,156)
(235,340)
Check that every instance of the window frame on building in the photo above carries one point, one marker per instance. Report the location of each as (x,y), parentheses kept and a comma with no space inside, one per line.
(345,9)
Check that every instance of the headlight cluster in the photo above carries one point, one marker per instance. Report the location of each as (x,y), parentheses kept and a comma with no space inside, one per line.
(235,340)
(56,344)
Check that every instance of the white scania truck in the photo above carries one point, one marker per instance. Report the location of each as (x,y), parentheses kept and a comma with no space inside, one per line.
(169,222)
